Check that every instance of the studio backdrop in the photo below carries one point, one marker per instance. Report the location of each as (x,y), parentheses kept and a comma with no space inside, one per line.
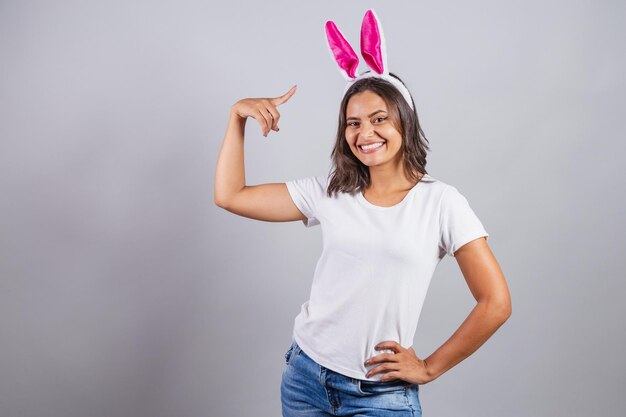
(124,289)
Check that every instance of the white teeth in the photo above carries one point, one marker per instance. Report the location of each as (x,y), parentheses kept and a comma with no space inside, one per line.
(372,146)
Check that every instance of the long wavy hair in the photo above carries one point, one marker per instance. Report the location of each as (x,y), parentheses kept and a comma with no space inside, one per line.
(348,174)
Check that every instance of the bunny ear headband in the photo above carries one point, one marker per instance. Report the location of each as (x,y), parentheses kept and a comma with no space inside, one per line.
(373,50)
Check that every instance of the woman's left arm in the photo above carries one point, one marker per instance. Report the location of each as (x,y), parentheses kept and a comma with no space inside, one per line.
(488,286)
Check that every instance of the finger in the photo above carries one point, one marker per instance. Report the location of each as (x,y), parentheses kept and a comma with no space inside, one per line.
(383,357)
(390,376)
(270,118)
(275,117)
(277,101)
(285,97)
(385,367)
(389,344)
(263,121)
(376,370)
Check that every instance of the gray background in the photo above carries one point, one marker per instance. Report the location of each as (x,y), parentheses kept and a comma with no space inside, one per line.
(125,292)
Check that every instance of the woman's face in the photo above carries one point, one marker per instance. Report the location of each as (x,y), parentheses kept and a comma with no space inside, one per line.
(369,123)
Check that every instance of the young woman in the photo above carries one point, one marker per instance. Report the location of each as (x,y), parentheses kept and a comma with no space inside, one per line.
(386,224)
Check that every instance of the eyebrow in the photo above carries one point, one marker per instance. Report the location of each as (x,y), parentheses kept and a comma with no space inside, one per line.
(369,115)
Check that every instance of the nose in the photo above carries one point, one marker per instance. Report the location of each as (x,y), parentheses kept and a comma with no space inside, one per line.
(368,130)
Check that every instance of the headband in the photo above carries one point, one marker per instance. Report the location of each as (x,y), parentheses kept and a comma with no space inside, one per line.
(373,50)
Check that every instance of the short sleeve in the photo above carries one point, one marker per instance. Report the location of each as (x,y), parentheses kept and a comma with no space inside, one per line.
(458,222)
(306,194)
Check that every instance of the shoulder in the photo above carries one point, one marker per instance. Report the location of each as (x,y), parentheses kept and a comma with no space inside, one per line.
(434,186)
(322,181)
(318,180)
(443,193)
(314,185)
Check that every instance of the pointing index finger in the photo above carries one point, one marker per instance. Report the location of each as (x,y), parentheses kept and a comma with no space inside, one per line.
(281,99)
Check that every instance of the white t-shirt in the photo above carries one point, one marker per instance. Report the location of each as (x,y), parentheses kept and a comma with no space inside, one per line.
(376,265)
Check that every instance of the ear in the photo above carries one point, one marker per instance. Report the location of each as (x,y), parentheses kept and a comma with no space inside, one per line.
(373,47)
(341,51)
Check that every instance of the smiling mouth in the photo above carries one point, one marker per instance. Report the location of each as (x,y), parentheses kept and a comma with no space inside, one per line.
(373,147)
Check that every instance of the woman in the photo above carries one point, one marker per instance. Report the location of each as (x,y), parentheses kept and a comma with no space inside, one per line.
(387,224)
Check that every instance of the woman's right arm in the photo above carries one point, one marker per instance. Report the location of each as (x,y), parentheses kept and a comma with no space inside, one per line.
(268,202)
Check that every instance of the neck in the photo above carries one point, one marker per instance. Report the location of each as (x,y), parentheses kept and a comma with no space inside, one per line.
(389,179)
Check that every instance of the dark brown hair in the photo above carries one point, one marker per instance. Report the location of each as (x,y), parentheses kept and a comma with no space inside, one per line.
(348,173)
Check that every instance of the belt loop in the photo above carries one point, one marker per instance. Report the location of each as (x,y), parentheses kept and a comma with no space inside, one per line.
(322,375)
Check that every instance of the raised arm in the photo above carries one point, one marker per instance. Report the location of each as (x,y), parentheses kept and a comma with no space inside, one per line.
(268,202)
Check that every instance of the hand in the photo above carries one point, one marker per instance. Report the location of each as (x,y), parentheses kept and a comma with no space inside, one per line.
(402,364)
(263,110)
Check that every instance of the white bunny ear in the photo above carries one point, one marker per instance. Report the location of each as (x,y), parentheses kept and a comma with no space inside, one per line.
(373,48)
(341,51)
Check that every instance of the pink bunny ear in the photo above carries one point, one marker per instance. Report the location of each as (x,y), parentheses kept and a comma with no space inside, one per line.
(341,51)
(373,47)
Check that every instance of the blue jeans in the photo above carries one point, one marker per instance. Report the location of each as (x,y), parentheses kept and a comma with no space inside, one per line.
(311,390)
